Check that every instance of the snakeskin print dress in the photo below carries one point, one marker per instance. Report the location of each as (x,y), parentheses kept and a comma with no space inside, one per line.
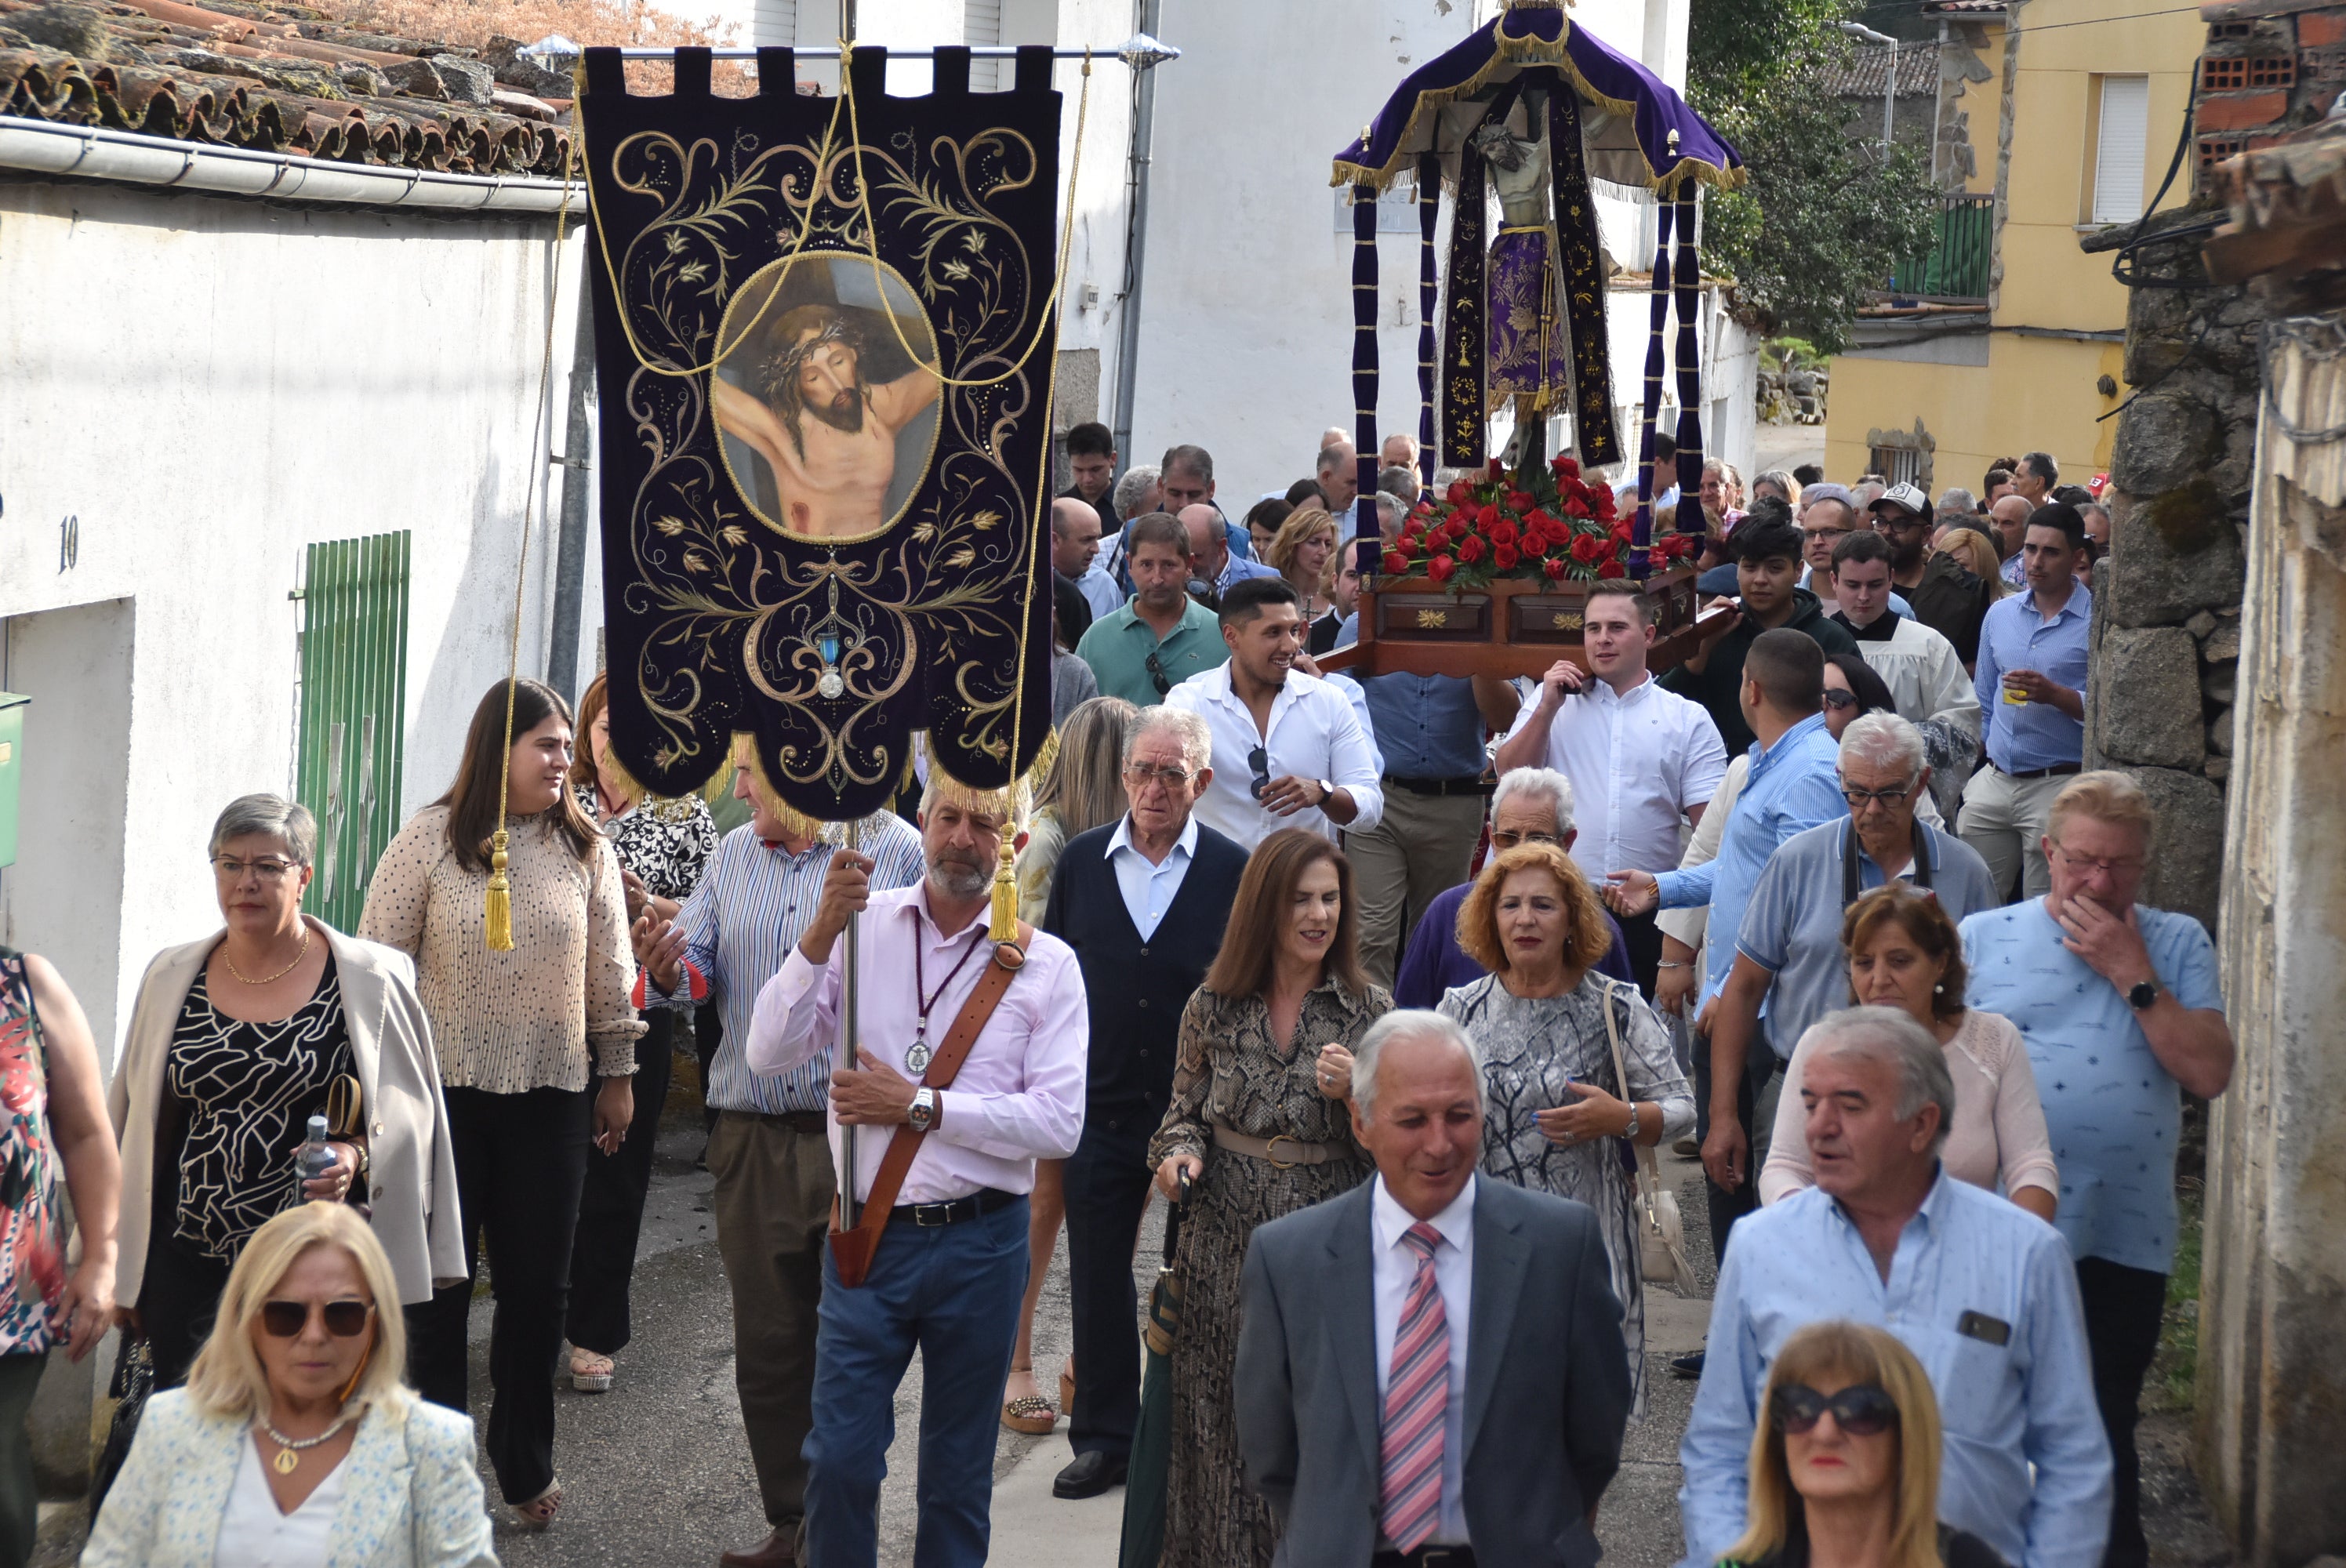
(1228,1069)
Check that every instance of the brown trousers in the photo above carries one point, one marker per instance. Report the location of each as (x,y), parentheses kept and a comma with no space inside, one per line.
(772,1206)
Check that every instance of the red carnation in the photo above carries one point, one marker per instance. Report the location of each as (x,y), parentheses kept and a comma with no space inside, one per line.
(1470,549)
(1521,501)
(1505,556)
(1396,563)
(1612,569)
(1442,568)
(1554,569)
(1586,548)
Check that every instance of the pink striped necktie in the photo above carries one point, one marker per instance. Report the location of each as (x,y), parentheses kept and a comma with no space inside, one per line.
(1417,1401)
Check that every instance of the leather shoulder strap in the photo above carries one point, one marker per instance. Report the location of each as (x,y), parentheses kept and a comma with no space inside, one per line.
(993,982)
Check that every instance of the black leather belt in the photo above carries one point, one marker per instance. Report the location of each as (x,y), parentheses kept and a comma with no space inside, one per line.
(984,1201)
(1477,785)
(2059,770)
(813,1123)
(1426,1557)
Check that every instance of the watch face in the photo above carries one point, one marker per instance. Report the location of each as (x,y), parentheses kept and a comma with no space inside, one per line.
(2143,995)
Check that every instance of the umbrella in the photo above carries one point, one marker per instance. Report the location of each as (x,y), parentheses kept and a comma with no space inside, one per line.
(1152,1435)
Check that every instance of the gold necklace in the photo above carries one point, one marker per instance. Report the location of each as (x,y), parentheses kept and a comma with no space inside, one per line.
(289,1451)
(280,974)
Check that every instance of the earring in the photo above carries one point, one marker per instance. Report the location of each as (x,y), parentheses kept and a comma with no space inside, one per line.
(1940,989)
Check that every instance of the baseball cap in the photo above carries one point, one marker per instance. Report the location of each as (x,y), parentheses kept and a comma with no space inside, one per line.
(1906,497)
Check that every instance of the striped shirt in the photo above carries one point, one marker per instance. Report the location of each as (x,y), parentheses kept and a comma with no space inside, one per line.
(739,925)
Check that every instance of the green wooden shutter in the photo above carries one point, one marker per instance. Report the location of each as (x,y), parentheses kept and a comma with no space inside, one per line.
(353,703)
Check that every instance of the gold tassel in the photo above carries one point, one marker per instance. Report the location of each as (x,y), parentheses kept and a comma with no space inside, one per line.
(1005,925)
(500,912)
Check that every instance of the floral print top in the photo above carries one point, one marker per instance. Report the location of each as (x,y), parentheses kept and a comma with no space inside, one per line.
(32,1260)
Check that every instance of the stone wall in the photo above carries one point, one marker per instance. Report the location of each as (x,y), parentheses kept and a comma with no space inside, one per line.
(2166,636)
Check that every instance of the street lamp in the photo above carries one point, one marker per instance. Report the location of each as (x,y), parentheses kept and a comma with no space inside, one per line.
(1866,35)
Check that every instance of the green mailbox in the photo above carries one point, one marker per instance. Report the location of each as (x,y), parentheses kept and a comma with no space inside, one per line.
(12,769)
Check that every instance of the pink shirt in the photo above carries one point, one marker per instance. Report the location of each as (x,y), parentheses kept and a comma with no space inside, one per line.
(1019,1095)
(1998,1137)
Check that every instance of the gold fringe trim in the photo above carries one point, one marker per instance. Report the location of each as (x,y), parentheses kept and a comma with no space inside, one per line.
(1515,52)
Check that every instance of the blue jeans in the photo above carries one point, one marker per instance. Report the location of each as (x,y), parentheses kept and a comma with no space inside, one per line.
(953,1291)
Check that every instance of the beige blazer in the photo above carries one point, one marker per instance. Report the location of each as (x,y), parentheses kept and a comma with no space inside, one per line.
(413,1188)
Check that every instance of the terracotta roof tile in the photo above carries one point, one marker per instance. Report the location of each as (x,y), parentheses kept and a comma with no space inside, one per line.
(279,80)
(1861,75)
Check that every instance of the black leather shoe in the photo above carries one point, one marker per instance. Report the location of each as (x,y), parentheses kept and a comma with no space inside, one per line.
(1689,1365)
(1090,1474)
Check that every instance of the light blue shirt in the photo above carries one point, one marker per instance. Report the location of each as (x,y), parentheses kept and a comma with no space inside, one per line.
(2003,1408)
(2024,737)
(739,925)
(1099,590)
(1792,927)
(1239,569)
(1793,785)
(1148,889)
(2113,1111)
(1424,725)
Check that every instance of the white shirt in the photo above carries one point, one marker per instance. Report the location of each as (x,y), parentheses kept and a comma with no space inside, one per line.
(1019,1095)
(1313,733)
(1393,1265)
(1639,763)
(1924,674)
(253,1534)
(1149,889)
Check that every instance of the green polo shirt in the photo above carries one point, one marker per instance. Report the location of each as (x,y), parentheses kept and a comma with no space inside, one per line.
(1119,644)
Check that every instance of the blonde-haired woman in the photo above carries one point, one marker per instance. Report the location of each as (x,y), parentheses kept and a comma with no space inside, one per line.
(1845,1461)
(1557,1113)
(1085,791)
(1299,551)
(1970,549)
(294,1440)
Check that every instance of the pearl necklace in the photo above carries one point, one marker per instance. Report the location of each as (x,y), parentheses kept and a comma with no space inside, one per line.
(289,1451)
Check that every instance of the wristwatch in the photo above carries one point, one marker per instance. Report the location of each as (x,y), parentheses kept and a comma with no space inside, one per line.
(1326,791)
(2144,996)
(921,1114)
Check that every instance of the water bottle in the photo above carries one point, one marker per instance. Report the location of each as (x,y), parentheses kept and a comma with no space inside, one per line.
(314,1158)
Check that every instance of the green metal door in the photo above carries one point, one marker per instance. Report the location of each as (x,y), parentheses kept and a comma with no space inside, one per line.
(354,701)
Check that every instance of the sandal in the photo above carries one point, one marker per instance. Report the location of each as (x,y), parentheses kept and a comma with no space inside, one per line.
(1028,1413)
(539,1511)
(590,1373)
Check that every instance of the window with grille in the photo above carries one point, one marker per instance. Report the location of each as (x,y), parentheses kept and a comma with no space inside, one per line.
(2118,149)
(775,23)
(1896,465)
(981,25)
(353,712)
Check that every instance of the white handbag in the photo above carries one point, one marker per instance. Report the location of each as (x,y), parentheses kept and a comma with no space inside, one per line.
(1661,1237)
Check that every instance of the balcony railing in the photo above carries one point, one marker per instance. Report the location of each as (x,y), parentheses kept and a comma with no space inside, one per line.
(1955,270)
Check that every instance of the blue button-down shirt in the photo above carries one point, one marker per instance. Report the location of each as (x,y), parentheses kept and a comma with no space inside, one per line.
(1239,569)
(2003,1408)
(1149,887)
(1426,726)
(1794,785)
(2024,737)
(739,925)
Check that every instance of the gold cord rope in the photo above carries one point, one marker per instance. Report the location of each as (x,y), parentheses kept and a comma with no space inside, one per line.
(498,914)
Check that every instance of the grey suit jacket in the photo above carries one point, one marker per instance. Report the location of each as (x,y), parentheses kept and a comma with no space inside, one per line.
(1547,1380)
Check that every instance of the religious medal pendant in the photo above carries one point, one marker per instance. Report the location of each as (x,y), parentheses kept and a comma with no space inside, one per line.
(285,1460)
(829,683)
(916,1060)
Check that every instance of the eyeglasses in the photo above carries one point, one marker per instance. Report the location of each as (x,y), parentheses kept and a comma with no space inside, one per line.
(1258,764)
(1864,1411)
(1508,840)
(1142,773)
(1158,677)
(2124,865)
(1859,799)
(1812,534)
(1900,524)
(344,1319)
(267,871)
(1837,698)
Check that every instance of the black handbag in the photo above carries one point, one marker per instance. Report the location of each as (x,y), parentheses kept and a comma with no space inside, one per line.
(133,1379)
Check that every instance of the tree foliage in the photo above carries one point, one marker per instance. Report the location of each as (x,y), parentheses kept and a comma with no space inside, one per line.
(1826,215)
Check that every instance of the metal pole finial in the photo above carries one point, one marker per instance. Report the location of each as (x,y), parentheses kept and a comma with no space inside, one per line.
(1143,53)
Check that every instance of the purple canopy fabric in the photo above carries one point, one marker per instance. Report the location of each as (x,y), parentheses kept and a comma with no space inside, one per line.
(1652,135)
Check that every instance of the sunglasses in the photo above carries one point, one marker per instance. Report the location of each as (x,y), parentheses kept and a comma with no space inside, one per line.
(344,1319)
(1158,677)
(1837,698)
(1864,1410)
(1258,764)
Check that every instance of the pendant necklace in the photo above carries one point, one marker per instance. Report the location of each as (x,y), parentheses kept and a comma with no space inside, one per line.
(290,1449)
(916,1059)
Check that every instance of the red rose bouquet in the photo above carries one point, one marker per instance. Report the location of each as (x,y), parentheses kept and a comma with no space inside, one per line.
(1552,526)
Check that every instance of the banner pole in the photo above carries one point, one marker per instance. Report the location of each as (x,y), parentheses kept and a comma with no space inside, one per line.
(850,1210)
